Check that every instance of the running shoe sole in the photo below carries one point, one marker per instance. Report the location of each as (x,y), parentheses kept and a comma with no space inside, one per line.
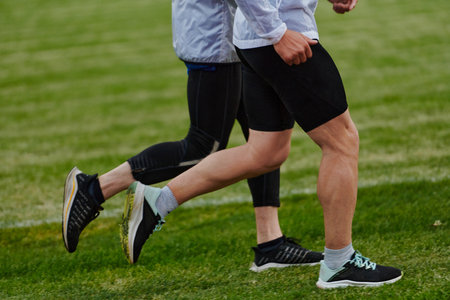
(345,283)
(70,190)
(257,269)
(132,216)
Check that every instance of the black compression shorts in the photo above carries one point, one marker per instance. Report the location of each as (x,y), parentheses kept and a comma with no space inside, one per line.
(214,101)
(277,94)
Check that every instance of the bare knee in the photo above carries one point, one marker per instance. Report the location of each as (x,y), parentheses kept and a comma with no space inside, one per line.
(269,159)
(268,150)
(349,140)
(274,160)
(345,144)
(338,136)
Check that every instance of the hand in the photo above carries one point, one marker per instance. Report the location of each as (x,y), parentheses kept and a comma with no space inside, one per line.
(343,6)
(294,47)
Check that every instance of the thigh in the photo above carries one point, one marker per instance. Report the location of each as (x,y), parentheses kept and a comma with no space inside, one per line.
(265,111)
(269,142)
(312,92)
(213,97)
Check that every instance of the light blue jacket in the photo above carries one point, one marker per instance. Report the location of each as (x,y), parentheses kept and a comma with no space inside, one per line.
(263,22)
(202,30)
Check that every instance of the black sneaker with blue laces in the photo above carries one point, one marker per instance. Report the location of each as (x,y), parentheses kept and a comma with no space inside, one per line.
(79,207)
(139,220)
(289,253)
(357,271)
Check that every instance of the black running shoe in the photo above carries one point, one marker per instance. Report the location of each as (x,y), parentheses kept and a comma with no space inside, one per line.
(79,207)
(358,271)
(287,254)
(139,219)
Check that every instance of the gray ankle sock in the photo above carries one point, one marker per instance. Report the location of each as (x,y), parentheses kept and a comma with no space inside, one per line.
(166,202)
(336,258)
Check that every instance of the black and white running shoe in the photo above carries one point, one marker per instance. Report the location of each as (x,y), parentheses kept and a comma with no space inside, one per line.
(79,207)
(358,271)
(289,253)
(139,220)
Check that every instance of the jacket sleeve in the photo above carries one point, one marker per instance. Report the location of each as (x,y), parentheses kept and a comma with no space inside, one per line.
(263,18)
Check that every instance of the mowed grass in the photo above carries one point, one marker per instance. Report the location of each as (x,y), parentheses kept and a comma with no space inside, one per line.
(204,253)
(91,83)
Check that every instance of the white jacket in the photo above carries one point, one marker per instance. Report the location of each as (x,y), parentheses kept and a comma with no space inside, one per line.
(202,30)
(263,22)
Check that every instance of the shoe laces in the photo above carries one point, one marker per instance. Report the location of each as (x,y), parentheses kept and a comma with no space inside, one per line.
(99,208)
(362,262)
(158,226)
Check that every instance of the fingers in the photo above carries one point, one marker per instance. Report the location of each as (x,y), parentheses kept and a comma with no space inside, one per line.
(299,57)
(353,4)
(302,56)
(343,1)
(294,48)
(294,59)
(308,52)
(310,41)
(343,6)
(340,8)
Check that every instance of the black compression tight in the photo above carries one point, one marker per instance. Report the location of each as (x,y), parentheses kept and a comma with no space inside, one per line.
(214,100)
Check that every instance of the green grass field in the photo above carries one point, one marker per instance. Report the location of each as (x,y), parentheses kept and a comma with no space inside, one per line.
(91,83)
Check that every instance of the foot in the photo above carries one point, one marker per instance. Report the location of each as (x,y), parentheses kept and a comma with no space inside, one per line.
(79,207)
(140,219)
(287,254)
(358,271)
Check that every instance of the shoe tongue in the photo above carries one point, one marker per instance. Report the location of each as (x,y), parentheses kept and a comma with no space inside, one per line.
(89,178)
(353,255)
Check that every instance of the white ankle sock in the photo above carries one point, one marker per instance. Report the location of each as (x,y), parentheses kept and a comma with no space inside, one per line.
(336,258)
(166,202)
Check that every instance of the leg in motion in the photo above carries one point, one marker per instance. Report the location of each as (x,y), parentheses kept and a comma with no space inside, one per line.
(319,106)
(264,152)
(338,177)
(337,188)
(211,124)
(274,250)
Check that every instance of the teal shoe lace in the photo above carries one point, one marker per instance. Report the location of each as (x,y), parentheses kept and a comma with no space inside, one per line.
(158,226)
(362,262)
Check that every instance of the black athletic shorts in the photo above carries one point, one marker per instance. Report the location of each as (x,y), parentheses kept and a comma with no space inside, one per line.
(276,94)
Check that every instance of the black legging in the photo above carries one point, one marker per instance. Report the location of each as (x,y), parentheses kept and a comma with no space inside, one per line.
(214,100)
